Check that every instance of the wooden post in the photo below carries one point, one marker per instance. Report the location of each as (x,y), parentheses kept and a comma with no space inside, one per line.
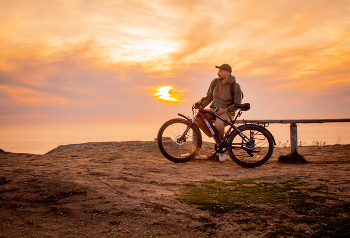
(293,138)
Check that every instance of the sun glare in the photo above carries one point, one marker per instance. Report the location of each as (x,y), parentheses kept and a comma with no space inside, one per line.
(142,51)
(166,93)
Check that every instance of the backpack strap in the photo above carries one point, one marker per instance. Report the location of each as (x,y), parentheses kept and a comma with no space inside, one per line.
(215,83)
(232,92)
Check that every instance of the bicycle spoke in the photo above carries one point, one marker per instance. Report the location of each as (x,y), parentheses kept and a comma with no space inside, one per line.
(170,144)
(254,149)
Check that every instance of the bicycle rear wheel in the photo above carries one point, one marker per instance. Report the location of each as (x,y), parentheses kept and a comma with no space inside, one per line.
(174,149)
(253,149)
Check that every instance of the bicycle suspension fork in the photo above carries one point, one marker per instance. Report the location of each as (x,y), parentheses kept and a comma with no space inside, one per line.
(191,122)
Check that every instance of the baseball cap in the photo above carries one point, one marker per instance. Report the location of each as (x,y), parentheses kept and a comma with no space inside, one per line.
(225,67)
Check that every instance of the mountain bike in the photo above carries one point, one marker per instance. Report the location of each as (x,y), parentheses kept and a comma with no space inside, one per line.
(248,145)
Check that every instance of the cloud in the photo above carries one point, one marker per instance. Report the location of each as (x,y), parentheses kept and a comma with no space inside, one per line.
(99,58)
(71,77)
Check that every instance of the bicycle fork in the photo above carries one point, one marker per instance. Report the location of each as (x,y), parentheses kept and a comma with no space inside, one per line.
(191,122)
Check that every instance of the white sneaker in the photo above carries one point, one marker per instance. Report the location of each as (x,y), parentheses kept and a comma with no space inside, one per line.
(222,157)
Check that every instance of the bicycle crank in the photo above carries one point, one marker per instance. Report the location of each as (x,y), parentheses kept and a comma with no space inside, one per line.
(220,149)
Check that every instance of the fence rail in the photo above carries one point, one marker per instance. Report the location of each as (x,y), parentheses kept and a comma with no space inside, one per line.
(293,127)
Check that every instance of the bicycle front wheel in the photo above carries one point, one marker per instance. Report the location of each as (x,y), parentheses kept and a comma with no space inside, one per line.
(250,146)
(175,144)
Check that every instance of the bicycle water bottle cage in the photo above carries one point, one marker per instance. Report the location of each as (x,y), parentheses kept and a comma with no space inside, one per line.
(243,107)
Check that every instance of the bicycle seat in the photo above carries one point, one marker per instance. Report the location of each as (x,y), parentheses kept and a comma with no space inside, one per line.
(243,107)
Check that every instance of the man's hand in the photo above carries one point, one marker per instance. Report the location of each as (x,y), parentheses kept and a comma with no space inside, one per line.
(222,111)
(197,106)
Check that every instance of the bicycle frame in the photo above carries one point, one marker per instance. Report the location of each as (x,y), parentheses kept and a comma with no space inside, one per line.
(221,143)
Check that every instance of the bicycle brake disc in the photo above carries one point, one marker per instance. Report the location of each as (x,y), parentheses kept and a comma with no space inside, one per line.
(179,142)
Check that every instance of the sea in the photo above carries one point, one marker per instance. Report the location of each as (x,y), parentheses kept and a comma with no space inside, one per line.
(40,138)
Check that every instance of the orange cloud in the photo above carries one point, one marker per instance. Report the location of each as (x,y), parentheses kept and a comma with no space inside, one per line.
(58,58)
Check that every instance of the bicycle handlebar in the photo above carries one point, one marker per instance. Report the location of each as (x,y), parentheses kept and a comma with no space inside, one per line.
(199,103)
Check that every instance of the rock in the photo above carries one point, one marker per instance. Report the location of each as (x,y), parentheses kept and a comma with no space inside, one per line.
(3,180)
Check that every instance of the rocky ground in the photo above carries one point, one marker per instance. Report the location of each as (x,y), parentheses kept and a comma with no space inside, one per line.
(128,189)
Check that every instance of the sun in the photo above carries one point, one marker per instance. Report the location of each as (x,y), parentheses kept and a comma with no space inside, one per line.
(166,93)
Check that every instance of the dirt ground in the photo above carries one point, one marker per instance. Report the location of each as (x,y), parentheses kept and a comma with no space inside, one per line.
(128,189)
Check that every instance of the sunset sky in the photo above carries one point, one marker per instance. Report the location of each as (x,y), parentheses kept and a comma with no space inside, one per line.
(106,58)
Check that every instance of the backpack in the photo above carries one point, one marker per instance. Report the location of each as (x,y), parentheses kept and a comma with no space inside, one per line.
(232,89)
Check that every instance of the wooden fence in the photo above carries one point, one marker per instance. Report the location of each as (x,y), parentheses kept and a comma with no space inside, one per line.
(293,127)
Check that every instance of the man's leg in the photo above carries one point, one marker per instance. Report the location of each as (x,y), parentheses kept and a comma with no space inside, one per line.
(220,125)
(200,123)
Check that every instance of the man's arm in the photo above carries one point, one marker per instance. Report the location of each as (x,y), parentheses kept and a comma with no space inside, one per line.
(209,95)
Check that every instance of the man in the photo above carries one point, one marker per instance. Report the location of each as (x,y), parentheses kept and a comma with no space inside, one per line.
(219,93)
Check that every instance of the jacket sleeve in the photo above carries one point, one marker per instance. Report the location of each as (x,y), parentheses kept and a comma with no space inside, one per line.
(209,95)
(237,98)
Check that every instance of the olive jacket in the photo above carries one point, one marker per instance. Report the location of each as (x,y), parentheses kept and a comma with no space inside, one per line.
(220,95)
